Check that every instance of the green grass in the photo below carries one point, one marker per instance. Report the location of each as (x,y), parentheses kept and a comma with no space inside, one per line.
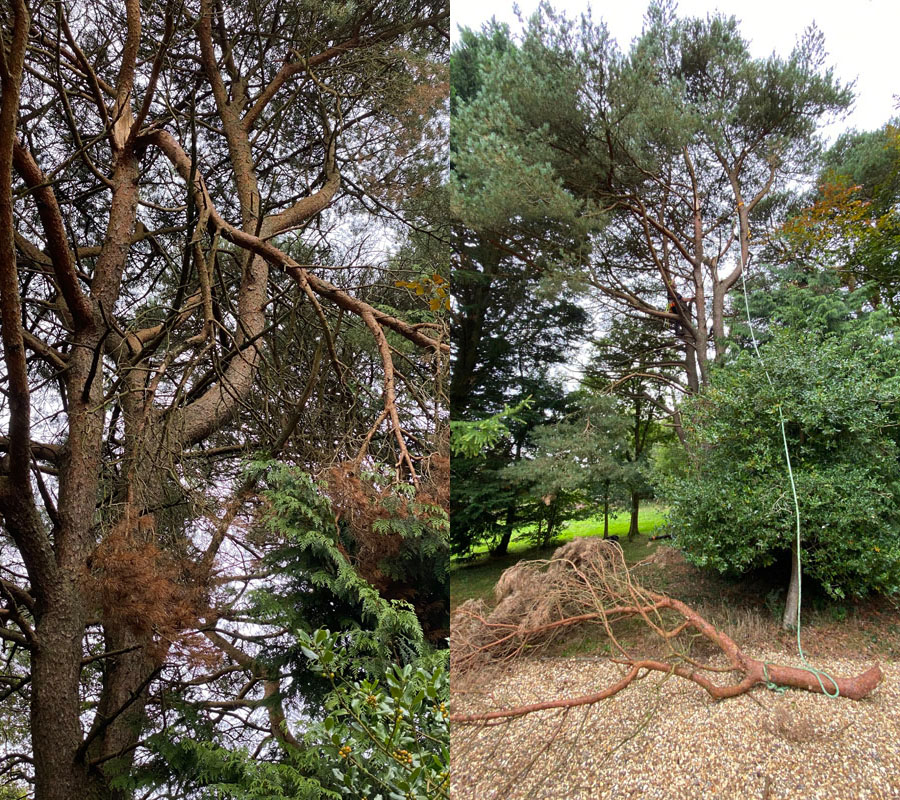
(476,577)
(477,580)
(651,517)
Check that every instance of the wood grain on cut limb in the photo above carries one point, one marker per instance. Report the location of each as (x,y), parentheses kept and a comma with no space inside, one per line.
(588,582)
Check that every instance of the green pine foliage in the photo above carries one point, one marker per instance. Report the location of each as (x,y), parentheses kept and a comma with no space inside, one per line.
(574,465)
(801,297)
(469,438)
(206,770)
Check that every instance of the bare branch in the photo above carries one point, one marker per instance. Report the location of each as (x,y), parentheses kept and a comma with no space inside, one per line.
(57,242)
(291,68)
(587,581)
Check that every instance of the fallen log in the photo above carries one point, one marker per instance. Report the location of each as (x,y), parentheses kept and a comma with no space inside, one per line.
(588,582)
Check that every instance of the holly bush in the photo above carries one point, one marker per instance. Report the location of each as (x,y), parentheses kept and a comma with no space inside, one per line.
(389,737)
(731,508)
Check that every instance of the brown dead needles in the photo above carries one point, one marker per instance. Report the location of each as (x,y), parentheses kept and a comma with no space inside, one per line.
(588,583)
(154,594)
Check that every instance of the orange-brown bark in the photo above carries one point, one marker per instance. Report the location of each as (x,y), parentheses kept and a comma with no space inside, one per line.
(540,599)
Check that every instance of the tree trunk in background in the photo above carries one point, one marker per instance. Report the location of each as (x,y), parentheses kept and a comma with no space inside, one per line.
(503,544)
(792,602)
(606,512)
(690,365)
(551,523)
(635,510)
(476,297)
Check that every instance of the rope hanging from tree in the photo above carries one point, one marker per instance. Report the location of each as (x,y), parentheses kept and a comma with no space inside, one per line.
(787,457)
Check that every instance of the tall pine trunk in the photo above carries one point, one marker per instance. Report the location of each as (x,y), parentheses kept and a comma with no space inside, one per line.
(635,510)
(55,697)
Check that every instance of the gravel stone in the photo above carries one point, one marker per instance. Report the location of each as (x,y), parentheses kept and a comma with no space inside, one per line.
(663,738)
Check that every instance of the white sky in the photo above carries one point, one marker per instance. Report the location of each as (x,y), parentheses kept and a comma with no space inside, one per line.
(860,37)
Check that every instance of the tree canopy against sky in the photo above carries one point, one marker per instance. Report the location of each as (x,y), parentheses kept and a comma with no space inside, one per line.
(505,331)
(859,38)
(660,163)
(849,225)
(221,235)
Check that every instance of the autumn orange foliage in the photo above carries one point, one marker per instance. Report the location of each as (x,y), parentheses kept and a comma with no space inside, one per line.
(360,504)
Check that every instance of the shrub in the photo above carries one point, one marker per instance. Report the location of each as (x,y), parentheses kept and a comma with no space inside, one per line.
(732,509)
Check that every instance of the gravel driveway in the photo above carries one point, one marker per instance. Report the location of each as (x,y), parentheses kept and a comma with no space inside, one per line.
(663,739)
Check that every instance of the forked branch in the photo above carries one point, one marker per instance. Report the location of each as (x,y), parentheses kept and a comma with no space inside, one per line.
(588,582)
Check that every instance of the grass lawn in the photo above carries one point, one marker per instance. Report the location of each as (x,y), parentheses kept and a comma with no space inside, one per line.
(651,517)
(476,577)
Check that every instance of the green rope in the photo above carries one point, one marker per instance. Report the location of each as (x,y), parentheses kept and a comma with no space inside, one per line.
(787,457)
(770,684)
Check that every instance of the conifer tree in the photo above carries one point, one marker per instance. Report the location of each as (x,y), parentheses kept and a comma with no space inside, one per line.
(218,242)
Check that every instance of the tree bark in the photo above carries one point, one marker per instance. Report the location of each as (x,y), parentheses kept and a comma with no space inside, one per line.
(719,320)
(503,544)
(690,364)
(635,510)
(55,699)
(792,601)
(606,511)
(118,723)
(469,330)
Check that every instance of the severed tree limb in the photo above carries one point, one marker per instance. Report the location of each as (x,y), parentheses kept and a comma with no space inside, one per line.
(855,688)
(588,582)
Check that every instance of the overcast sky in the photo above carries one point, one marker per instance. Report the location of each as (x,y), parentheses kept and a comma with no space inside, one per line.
(860,37)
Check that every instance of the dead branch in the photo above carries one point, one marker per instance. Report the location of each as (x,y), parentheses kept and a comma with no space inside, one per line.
(588,582)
